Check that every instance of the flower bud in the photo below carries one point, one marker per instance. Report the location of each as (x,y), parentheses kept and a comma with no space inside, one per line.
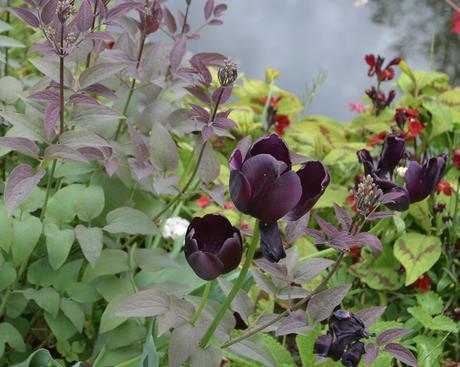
(228,73)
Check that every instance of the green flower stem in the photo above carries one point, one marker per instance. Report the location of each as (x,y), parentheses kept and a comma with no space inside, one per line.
(236,287)
(204,299)
(323,253)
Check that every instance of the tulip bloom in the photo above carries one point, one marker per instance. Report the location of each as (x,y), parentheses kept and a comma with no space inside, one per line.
(342,341)
(263,185)
(212,246)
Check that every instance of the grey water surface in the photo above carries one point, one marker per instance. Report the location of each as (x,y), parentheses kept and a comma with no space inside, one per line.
(301,37)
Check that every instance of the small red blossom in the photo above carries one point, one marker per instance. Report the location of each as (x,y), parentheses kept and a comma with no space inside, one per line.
(273,101)
(358,107)
(229,205)
(244,225)
(355,250)
(404,114)
(415,128)
(444,186)
(110,44)
(423,283)
(377,139)
(203,202)
(456,157)
(455,22)
(281,123)
(350,200)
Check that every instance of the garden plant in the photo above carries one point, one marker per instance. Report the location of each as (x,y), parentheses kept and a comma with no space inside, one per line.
(159,208)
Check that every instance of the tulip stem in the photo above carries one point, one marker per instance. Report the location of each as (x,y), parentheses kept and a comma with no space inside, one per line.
(204,299)
(236,287)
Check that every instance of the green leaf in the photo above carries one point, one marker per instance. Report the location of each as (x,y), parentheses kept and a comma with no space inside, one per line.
(7,275)
(26,234)
(153,259)
(333,194)
(10,89)
(163,149)
(58,244)
(305,347)
(441,120)
(441,322)
(39,358)
(61,326)
(108,320)
(90,203)
(6,228)
(421,213)
(91,242)
(431,302)
(129,220)
(111,262)
(45,298)
(417,253)
(10,42)
(429,350)
(62,206)
(11,336)
(51,70)
(282,357)
(128,333)
(73,312)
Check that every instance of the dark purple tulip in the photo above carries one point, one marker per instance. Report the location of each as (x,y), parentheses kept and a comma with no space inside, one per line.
(212,246)
(352,356)
(392,152)
(422,180)
(322,345)
(263,185)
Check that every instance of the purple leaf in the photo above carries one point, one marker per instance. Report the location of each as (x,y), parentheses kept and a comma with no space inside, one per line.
(273,269)
(342,240)
(216,193)
(391,197)
(366,238)
(51,116)
(121,9)
(45,96)
(27,16)
(206,132)
(295,323)
(48,12)
(327,227)
(369,316)
(342,217)
(401,353)
(20,183)
(306,270)
(199,93)
(225,123)
(64,152)
(22,145)
(295,230)
(111,165)
(208,8)
(142,166)
(200,113)
(215,22)
(100,36)
(391,334)
(379,215)
(178,52)
(220,9)
(319,237)
(372,353)
(226,94)
(169,20)
(84,18)
(101,90)
(322,304)
(79,98)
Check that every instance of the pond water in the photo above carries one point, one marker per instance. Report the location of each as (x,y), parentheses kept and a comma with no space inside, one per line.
(302,37)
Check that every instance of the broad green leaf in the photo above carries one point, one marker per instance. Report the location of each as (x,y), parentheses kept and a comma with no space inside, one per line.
(129,220)
(90,203)
(26,234)
(305,347)
(58,244)
(441,120)
(10,88)
(280,354)
(74,313)
(39,358)
(111,262)
(91,242)
(6,228)
(61,326)
(440,322)
(11,336)
(10,42)
(431,302)
(7,275)
(421,214)
(24,126)
(62,206)
(153,259)
(127,333)
(45,298)
(333,194)
(108,319)
(417,253)
(429,350)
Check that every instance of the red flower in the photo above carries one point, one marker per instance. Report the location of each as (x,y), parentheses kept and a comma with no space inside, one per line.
(355,251)
(229,205)
(350,200)
(203,202)
(444,186)
(423,283)
(244,225)
(110,44)
(415,128)
(456,157)
(377,139)
(456,23)
(273,101)
(281,123)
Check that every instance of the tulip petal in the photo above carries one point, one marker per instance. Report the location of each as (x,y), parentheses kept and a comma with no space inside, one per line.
(240,191)
(392,152)
(414,181)
(279,198)
(230,253)
(314,179)
(261,172)
(211,231)
(207,266)
(270,242)
(274,146)
(366,159)
(190,246)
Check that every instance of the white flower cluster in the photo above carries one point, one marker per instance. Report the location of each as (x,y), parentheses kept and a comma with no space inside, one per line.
(175,227)
(401,171)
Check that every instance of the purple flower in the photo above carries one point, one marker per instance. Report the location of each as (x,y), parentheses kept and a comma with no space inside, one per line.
(421,180)
(212,246)
(263,185)
(342,341)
